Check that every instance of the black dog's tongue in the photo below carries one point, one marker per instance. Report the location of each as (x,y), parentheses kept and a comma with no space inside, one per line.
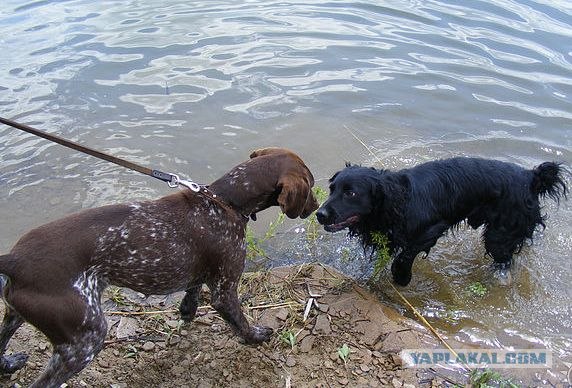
(342,225)
(334,227)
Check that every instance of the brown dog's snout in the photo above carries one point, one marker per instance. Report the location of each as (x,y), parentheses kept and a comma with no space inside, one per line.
(311,205)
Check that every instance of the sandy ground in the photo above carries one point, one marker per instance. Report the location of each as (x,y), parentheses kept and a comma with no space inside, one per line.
(148,346)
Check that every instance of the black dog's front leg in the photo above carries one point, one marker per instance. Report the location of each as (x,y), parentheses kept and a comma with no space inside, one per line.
(401,268)
(190,302)
(421,242)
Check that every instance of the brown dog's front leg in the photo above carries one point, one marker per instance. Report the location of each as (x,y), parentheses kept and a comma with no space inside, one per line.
(224,300)
(190,302)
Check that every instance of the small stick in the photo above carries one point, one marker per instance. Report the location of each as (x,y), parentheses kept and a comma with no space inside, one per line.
(272,306)
(426,323)
(140,312)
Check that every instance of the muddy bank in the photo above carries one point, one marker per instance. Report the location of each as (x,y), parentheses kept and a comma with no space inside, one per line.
(313,309)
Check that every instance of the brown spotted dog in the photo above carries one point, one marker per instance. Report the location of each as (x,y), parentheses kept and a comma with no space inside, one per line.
(57,272)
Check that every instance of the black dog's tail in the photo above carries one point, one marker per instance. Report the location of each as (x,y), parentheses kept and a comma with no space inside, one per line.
(548,181)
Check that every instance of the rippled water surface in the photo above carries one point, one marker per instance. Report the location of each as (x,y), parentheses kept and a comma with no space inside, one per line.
(192,87)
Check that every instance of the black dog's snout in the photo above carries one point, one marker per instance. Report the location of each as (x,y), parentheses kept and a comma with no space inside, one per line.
(322,215)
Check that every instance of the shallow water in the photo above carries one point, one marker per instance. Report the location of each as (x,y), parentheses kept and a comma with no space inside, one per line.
(192,87)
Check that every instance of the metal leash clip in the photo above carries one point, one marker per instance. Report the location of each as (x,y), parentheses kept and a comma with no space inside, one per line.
(176,181)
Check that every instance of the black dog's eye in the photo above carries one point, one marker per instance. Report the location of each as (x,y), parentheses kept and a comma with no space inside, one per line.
(350,194)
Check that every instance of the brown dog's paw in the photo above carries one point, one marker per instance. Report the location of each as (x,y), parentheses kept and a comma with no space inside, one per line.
(10,364)
(258,334)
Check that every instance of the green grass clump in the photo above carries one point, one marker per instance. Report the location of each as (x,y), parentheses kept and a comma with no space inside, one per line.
(477,289)
(488,378)
(382,254)
(344,353)
(288,337)
(312,224)
(253,248)
(253,244)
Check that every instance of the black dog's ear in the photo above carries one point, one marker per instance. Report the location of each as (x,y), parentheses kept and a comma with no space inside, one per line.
(390,194)
(377,191)
(334,177)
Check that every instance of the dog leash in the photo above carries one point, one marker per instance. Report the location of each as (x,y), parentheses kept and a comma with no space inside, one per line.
(172,180)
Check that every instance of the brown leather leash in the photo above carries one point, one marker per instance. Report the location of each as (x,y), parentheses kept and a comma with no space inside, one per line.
(172,180)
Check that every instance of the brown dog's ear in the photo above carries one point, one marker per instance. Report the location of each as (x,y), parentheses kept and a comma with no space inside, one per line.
(266,151)
(293,195)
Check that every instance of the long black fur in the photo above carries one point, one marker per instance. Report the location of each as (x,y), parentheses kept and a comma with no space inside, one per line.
(415,207)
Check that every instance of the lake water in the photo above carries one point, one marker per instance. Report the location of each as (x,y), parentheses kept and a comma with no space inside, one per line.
(192,87)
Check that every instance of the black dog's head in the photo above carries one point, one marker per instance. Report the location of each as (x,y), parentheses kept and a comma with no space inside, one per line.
(352,198)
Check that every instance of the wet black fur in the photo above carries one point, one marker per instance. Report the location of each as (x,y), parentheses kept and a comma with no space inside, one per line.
(415,207)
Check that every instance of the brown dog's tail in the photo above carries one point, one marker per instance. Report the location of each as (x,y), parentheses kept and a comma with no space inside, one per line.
(548,181)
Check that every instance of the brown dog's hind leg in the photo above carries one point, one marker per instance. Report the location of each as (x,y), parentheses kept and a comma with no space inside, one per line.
(224,300)
(84,342)
(12,321)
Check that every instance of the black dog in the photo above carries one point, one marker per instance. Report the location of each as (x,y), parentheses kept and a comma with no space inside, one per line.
(414,207)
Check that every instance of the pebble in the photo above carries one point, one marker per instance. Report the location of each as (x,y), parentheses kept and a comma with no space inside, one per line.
(306,344)
(396,383)
(148,346)
(328,364)
(282,314)
(322,325)
(173,323)
(127,327)
(364,368)
(290,361)
(323,307)
(397,360)
(343,381)
(174,340)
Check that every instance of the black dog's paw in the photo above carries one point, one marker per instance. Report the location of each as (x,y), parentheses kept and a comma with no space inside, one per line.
(503,274)
(10,364)
(400,275)
(258,334)
(401,280)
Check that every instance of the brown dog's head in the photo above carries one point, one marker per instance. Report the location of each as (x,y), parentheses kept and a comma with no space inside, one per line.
(272,176)
(295,182)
